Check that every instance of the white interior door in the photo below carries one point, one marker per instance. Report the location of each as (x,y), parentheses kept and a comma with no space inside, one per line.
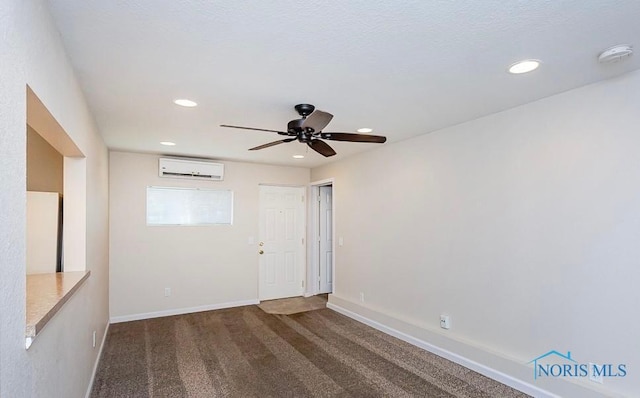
(325,241)
(282,246)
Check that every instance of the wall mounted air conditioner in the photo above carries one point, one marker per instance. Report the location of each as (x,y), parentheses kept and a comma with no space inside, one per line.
(190,168)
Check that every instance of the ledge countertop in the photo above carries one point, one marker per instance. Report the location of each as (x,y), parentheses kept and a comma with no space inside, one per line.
(46,294)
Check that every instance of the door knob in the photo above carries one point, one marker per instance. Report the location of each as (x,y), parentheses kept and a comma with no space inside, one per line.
(261,252)
(261,244)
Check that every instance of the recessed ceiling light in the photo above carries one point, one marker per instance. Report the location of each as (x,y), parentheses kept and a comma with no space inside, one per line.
(364,130)
(185,102)
(167,143)
(298,156)
(525,66)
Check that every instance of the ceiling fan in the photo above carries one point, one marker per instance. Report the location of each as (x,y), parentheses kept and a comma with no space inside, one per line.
(308,130)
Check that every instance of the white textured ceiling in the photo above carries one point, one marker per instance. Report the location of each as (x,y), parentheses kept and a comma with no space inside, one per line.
(403,68)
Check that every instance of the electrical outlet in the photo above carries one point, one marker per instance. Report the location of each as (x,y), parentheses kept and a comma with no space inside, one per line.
(445,322)
(596,378)
(341,241)
(167,291)
(94,339)
(362,297)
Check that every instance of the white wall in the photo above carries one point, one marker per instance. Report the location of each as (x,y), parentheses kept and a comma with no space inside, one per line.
(523,226)
(203,265)
(61,359)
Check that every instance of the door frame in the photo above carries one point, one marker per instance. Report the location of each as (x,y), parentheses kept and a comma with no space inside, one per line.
(304,258)
(313,248)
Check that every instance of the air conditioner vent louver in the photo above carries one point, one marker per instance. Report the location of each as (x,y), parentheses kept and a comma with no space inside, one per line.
(190,168)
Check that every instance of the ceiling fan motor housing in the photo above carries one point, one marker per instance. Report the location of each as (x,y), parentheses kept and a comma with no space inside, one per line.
(294,128)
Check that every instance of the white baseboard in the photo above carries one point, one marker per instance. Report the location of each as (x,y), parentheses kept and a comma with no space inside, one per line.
(563,388)
(95,365)
(180,311)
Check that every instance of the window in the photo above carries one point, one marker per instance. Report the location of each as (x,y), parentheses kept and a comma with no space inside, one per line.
(189,206)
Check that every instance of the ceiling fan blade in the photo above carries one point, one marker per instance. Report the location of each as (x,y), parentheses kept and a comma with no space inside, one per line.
(354,137)
(252,128)
(321,147)
(272,144)
(317,120)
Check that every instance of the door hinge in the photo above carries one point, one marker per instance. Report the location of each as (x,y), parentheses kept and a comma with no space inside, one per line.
(303,241)
(302,284)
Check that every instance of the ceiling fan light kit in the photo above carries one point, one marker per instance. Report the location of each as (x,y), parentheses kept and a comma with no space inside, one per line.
(308,130)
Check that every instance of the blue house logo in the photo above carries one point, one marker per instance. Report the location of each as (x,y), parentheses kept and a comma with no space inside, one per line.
(545,369)
(557,364)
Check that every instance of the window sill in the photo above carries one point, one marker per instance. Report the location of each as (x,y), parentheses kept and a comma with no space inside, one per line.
(46,294)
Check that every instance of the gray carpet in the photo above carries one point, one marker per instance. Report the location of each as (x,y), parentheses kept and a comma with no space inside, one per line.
(245,352)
